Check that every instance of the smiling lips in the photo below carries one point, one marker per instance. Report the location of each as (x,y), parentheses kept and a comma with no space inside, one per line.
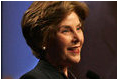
(73,50)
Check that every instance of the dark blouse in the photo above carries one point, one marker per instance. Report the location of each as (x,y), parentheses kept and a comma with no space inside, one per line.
(44,70)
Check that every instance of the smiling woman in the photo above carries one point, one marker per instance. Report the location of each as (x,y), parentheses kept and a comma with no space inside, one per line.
(68,42)
(54,31)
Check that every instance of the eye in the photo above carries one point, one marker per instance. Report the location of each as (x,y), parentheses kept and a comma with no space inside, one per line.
(78,28)
(65,31)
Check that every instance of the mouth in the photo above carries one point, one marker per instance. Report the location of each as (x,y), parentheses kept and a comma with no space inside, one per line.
(74,50)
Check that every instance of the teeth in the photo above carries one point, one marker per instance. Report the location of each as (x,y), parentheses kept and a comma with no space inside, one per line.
(71,48)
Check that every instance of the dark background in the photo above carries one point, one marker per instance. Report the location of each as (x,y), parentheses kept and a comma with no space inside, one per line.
(99,53)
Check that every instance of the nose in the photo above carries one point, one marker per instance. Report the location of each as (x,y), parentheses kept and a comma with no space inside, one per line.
(76,38)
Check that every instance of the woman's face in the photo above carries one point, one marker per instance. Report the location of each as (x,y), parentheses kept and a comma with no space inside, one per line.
(65,48)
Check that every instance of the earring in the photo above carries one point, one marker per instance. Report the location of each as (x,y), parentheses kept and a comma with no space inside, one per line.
(44,47)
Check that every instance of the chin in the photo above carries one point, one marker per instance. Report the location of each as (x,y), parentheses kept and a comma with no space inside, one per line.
(75,59)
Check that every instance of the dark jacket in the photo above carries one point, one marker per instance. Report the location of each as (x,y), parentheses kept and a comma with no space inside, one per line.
(44,70)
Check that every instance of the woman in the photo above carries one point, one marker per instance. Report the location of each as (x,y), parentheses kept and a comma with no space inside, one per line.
(54,31)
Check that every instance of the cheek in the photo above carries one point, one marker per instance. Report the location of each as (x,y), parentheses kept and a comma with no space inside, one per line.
(64,40)
(81,37)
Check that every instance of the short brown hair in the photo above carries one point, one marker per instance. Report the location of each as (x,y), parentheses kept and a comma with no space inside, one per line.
(40,20)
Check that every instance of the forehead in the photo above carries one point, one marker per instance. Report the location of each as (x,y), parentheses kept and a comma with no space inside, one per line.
(71,20)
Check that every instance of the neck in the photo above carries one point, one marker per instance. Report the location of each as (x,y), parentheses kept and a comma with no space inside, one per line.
(59,67)
(64,70)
